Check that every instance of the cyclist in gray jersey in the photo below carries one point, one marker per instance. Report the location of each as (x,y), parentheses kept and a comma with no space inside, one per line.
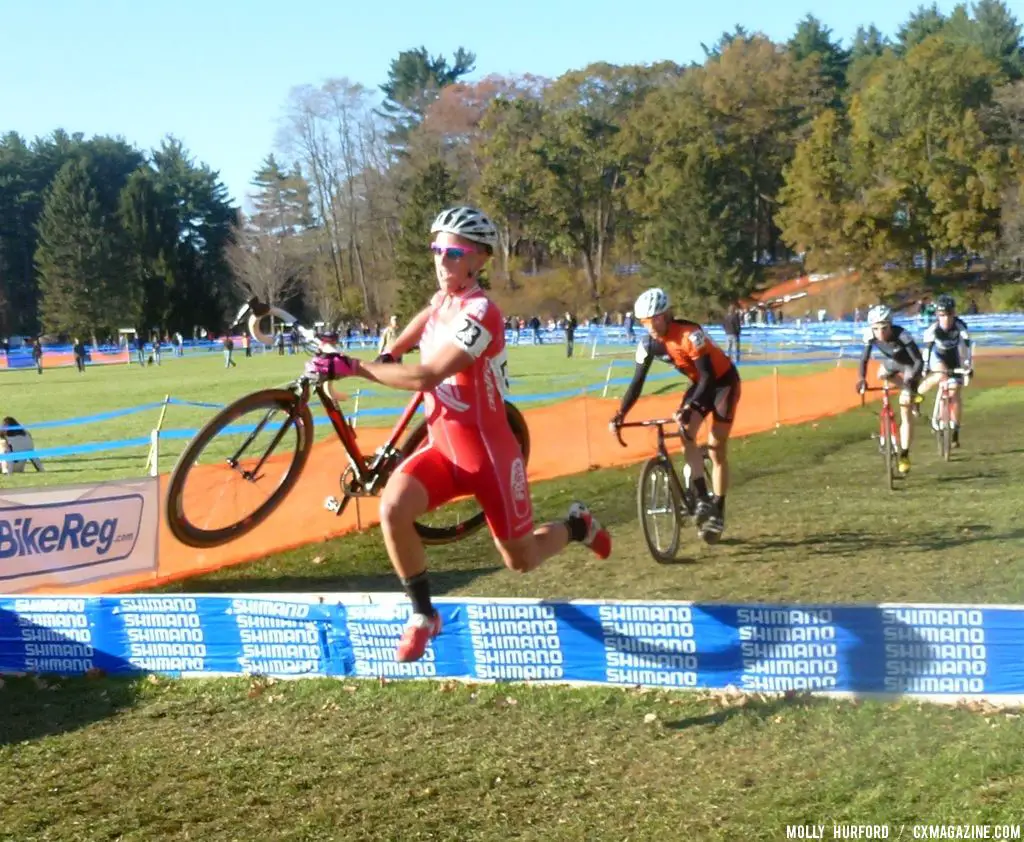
(948,347)
(901,362)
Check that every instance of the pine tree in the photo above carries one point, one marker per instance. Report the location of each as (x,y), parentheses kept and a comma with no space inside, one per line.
(83,284)
(431,191)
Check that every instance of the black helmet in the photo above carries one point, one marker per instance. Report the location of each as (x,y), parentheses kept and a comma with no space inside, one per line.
(946,304)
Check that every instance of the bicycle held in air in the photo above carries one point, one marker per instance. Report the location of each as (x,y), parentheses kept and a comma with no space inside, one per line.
(243,480)
(664,501)
(941,410)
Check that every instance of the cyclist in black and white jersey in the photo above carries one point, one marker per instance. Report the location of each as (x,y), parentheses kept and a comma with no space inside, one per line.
(902,363)
(948,347)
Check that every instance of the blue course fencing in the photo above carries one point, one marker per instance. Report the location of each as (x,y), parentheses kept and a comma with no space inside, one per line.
(938,652)
(996,331)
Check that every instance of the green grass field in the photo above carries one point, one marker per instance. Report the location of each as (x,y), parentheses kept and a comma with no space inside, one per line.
(808,521)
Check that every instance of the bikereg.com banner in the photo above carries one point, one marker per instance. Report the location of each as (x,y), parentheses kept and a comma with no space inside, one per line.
(69,535)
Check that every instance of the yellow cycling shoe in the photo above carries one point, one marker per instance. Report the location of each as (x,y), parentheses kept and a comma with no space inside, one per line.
(903,466)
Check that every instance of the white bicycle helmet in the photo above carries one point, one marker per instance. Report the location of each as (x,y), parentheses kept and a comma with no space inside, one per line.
(879,314)
(469,223)
(651,303)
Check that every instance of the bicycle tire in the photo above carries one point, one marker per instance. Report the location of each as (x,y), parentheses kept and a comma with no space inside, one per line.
(652,467)
(946,435)
(890,461)
(438,535)
(194,536)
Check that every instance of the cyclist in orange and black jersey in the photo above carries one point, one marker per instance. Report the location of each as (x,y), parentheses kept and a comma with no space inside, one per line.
(714,390)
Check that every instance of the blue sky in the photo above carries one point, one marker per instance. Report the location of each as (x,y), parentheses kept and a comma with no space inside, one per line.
(217,73)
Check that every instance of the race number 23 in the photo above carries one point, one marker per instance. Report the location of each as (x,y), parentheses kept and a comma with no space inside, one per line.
(471,336)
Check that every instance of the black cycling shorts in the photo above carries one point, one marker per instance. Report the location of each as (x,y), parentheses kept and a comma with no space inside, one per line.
(889,368)
(721,402)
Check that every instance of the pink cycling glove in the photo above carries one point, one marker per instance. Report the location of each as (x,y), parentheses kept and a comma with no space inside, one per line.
(332,367)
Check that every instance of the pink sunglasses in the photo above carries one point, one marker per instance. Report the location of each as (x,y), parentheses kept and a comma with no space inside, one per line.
(452,252)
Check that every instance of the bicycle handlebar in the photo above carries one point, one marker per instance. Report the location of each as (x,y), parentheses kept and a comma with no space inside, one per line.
(654,422)
(254,311)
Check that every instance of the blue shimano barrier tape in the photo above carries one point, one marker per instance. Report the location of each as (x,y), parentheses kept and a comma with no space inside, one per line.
(927,651)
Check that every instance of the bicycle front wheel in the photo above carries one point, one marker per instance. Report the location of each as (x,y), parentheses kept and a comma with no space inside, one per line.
(658,506)
(890,455)
(238,468)
(946,433)
(459,519)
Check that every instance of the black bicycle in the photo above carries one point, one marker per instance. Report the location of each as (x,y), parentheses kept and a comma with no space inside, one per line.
(664,501)
(221,489)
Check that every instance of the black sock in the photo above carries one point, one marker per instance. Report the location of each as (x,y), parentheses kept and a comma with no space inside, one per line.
(719,501)
(418,589)
(577,528)
(701,487)
(904,454)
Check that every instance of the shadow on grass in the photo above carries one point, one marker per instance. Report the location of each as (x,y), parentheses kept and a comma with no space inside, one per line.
(980,476)
(855,543)
(34,701)
(750,707)
(34,707)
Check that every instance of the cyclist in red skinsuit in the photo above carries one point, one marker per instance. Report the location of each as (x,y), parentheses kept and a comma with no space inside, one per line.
(471,450)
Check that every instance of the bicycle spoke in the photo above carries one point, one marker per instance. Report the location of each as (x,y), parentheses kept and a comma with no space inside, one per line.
(228,481)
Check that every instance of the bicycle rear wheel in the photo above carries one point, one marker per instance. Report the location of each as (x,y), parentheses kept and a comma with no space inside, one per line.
(459,519)
(658,507)
(238,469)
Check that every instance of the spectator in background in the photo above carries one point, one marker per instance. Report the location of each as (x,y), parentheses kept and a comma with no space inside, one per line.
(628,322)
(731,325)
(78,349)
(535,327)
(388,337)
(229,347)
(37,354)
(156,347)
(16,439)
(280,343)
(247,343)
(140,349)
(570,333)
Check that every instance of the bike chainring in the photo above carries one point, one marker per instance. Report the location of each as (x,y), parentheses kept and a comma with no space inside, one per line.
(352,486)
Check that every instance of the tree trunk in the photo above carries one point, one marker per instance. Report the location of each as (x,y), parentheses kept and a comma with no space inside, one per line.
(592,278)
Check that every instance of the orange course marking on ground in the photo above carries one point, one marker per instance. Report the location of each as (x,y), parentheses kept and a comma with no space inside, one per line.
(566,438)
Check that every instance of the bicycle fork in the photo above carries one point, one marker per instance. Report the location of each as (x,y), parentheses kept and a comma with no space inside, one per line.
(889,428)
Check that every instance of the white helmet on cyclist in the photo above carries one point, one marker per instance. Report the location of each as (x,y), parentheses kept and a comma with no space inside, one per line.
(468,223)
(879,315)
(651,303)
